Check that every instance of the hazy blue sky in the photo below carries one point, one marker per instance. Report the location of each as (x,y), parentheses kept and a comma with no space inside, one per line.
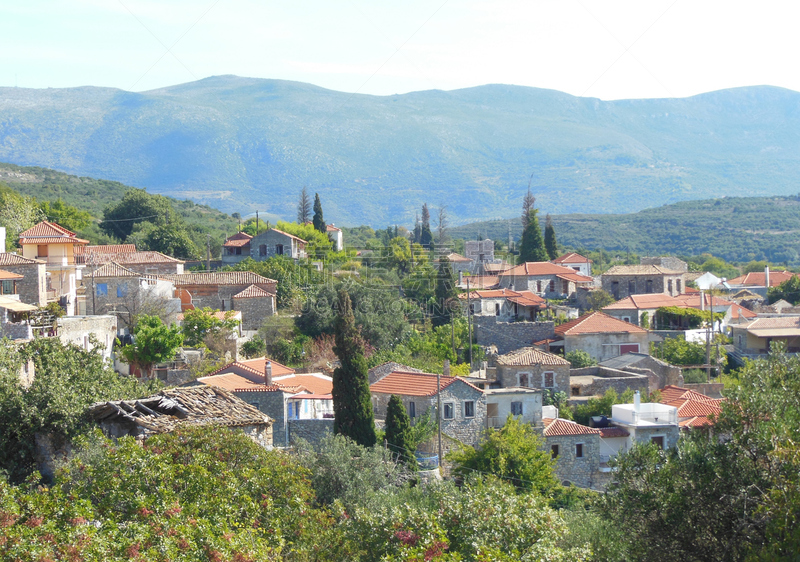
(605,49)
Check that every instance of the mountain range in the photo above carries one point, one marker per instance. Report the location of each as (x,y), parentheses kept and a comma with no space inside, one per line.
(245,144)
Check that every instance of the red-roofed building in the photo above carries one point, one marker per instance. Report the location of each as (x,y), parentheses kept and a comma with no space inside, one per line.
(694,409)
(505,304)
(758,279)
(631,309)
(579,263)
(463,404)
(602,336)
(544,278)
(625,280)
(274,242)
(236,248)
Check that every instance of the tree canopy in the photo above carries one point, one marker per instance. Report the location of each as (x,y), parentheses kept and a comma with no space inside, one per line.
(532,244)
(153,342)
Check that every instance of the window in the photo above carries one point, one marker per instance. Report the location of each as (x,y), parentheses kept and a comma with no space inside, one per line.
(615,289)
(238,250)
(492,410)
(552,285)
(578,450)
(554,451)
(538,286)
(631,287)
(649,286)
(449,411)
(497,309)
(122,290)
(658,440)
(626,319)
(678,285)
(412,410)
(231,251)
(516,408)
(523,380)
(628,348)
(741,340)
(262,250)
(549,379)
(8,287)
(669,286)
(41,250)
(469,409)
(279,249)
(101,289)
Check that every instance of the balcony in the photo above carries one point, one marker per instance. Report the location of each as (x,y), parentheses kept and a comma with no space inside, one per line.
(642,415)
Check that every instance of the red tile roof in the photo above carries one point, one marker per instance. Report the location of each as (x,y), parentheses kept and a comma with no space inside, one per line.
(249,376)
(523,298)
(49,233)
(113,269)
(527,298)
(530,356)
(52,240)
(639,302)
(702,421)
(613,431)
(597,323)
(331,228)
(560,427)
(572,257)
(238,240)
(457,258)
(97,257)
(414,384)
(106,249)
(254,367)
(756,278)
(537,268)
(691,404)
(480,281)
(218,278)
(575,277)
(253,292)
(7,258)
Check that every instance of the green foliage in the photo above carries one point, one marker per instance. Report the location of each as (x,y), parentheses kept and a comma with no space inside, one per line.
(599,298)
(153,343)
(254,347)
(446,305)
(17,213)
(644,320)
(425,235)
(676,318)
(513,453)
(319,221)
(199,323)
(715,265)
(352,405)
(137,207)
(254,226)
(172,240)
(398,432)
(318,242)
(292,277)
(423,430)
(550,243)
(694,376)
(789,291)
(677,351)
(289,352)
(65,215)
(579,358)
(67,380)
(532,244)
(596,407)
(304,207)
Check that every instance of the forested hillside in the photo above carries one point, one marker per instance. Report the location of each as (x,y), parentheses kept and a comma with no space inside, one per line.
(242,144)
(738,229)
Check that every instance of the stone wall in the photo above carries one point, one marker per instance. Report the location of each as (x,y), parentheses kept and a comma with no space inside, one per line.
(32,288)
(508,336)
(272,404)
(310,430)
(582,472)
(622,286)
(643,435)
(276,244)
(710,389)
(254,310)
(77,329)
(261,434)
(49,452)
(604,379)
(667,262)
(602,346)
(16,331)
(508,376)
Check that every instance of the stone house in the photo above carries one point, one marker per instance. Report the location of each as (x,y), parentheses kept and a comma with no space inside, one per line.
(601,336)
(463,415)
(634,308)
(695,410)
(145,262)
(236,248)
(32,287)
(505,304)
(115,289)
(79,330)
(275,390)
(55,245)
(479,251)
(181,407)
(459,264)
(576,451)
(545,279)
(274,242)
(254,295)
(667,262)
(524,404)
(529,367)
(508,336)
(650,422)
(754,339)
(576,262)
(625,280)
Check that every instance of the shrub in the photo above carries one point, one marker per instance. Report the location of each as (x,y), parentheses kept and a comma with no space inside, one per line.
(579,358)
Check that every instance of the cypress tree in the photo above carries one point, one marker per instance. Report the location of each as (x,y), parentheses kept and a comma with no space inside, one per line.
(445,292)
(426,236)
(550,238)
(319,222)
(528,203)
(398,432)
(352,406)
(304,207)
(531,247)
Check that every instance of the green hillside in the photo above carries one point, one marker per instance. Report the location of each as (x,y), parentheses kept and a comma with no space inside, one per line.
(242,144)
(735,228)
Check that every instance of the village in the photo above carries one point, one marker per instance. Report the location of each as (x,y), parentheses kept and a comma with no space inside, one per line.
(552,337)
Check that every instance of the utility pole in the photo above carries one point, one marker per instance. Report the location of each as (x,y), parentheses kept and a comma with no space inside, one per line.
(256,223)
(446,368)
(469,323)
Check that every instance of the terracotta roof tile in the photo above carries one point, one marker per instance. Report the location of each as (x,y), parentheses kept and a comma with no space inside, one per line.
(7,275)
(414,384)
(700,421)
(129,258)
(571,258)
(640,302)
(575,277)
(254,367)
(613,431)
(106,249)
(331,228)
(253,292)
(757,278)
(113,269)
(48,229)
(7,258)
(530,356)
(52,240)
(537,268)
(218,278)
(238,240)
(457,258)
(290,383)
(596,323)
(480,281)
(560,427)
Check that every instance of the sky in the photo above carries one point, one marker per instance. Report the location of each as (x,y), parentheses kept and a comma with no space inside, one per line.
(597,48)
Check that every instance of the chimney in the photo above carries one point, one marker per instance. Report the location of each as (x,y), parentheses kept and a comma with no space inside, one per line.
(446,369)
(637,401)
(460,276)
(766,277)
(268,373)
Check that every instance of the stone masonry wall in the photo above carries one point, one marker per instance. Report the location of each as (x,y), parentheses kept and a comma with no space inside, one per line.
(254,310)
(672,433)
(271,403)
(310,430)
(605,379)
(508,336)
(261,434)
(508,376)
(32,288)
(581,472)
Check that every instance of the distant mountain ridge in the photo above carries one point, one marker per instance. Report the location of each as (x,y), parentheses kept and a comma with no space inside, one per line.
(245,144)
